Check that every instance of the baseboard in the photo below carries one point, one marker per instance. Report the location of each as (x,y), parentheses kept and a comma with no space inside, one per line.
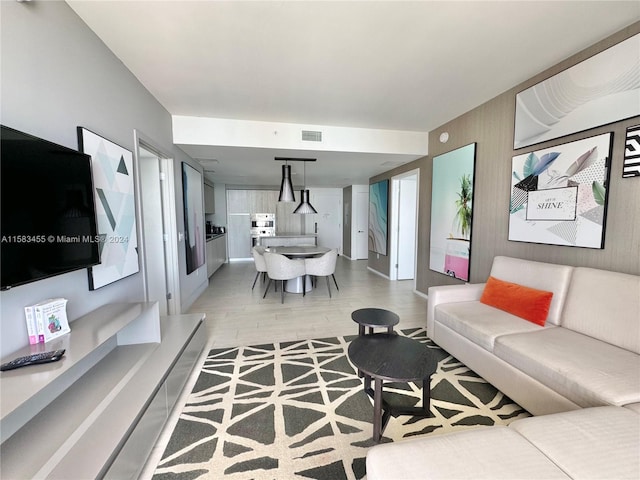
(378,273)
(422,294)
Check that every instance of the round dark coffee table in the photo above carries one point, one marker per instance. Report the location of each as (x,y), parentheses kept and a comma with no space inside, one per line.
(374,318)
(393,358)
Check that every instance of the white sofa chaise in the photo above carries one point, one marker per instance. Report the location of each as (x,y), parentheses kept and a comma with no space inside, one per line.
(580,372)
(592,443)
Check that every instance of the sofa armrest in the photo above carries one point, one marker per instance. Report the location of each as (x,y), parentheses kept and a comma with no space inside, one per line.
(450,294)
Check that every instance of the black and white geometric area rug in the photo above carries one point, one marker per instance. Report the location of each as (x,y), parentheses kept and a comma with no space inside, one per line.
(297,410)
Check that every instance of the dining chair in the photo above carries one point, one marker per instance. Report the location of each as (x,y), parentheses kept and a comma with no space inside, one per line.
(323,266)
(281,268)
(261,265)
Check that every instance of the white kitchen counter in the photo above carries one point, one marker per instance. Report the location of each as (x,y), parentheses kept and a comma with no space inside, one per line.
(289,239)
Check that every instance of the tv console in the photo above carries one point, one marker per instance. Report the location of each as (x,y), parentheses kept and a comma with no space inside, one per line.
(98,412)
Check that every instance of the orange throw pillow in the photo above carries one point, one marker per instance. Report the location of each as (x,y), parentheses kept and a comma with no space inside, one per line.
(524,302)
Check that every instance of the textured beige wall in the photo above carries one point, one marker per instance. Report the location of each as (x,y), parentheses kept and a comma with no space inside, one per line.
(491,126)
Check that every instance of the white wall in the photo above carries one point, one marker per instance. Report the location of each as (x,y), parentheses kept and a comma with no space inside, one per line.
(245,133)
(57,75)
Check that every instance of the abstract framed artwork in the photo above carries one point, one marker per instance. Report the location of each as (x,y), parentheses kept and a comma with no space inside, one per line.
(600,90)
(559,194)
(112,169)
(378,212)
(193,217)
(631,165)
(452,212)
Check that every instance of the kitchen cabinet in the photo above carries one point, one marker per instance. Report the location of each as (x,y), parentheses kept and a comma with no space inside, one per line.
(286,220)
(252,201)
(238,202)
(209,199)
(216,253)
(239,231)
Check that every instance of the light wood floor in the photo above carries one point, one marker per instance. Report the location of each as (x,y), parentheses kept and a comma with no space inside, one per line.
(237,316)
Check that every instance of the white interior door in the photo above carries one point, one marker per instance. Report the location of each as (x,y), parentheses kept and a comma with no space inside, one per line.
(403,223)
(407,218)
(359,242)
(157,215)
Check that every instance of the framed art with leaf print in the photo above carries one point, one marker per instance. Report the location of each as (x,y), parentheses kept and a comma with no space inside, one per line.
(559,194)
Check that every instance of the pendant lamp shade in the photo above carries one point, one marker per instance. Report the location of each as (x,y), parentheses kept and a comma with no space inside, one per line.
(305,206)
(286,188)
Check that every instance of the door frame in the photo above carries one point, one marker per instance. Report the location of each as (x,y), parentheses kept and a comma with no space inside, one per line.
(394,222)
(360,200)
(167,189)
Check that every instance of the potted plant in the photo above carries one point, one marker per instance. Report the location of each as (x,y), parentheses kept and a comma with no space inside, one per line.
(463,205)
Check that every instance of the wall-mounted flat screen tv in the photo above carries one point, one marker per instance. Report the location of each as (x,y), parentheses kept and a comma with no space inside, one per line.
(47,218)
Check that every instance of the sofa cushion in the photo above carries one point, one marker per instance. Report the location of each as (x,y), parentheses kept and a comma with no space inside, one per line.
(492,453)
(524,302)
(602,442)
(539,275)
(605,305)
(585,370)
(481,323)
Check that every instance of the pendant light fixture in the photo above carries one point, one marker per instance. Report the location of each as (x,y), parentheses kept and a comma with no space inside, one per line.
(286,188)
(305,206)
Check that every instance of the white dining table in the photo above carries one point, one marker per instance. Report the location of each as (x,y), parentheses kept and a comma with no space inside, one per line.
(301,251)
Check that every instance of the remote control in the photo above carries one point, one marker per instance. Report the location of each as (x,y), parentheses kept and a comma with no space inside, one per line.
(36,358)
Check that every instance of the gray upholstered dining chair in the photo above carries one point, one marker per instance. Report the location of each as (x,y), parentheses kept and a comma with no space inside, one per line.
(323,266)
(281,268)
(261,265)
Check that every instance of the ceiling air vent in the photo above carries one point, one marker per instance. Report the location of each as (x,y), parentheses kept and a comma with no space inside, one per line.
(311,136)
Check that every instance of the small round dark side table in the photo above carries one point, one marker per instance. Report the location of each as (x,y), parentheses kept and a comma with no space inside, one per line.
(374,318)
(394,358)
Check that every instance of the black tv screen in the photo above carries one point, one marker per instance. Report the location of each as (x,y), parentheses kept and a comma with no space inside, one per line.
(47,219)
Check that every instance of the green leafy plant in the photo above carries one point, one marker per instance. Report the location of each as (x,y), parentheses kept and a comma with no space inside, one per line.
(463,205)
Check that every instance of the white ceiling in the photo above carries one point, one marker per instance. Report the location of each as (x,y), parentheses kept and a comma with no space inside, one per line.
(384,65)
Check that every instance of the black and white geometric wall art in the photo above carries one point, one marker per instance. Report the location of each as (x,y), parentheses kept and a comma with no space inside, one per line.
(112,169)
(559,194)
(600,90)
(631,165)
(192,191)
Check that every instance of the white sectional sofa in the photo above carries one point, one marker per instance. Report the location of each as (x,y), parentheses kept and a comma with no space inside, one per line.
(592,443)
(586,357)
(587,354)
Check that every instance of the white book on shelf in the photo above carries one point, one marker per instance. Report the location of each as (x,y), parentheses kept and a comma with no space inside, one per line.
(32,326)
(51,317)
